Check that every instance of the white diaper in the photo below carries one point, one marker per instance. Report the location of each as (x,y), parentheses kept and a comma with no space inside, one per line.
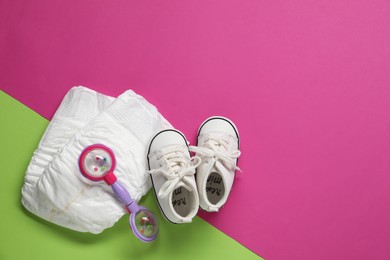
(55,190)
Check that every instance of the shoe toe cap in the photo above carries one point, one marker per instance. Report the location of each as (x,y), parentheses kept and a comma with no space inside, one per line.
(167,138)
(218,124)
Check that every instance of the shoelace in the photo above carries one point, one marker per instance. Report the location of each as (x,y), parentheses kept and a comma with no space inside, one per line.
(216,153)
(175,168)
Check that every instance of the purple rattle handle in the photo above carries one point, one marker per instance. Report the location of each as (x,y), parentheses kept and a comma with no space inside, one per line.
(123,195)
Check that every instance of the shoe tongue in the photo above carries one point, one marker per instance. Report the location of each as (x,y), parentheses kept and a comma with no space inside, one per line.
(220,148)
(217,145)
(184,185)
(176,167)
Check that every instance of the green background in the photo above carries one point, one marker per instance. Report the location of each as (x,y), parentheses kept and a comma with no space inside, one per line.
(25,236)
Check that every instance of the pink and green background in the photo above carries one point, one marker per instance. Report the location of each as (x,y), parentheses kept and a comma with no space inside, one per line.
(306,82)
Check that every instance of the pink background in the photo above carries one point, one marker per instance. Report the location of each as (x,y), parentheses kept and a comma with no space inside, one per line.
(306,82)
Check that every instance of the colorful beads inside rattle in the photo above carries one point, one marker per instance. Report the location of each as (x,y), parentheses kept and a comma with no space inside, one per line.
(97,163)
(146,223)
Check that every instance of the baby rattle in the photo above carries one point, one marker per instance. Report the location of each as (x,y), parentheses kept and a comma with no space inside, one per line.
(97,162)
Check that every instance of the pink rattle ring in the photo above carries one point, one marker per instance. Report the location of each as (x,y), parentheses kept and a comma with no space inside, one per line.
(92,158)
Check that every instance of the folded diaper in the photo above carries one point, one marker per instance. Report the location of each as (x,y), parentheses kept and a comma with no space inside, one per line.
(55,190)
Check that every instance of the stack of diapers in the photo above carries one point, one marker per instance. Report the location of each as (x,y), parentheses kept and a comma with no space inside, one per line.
(54,188)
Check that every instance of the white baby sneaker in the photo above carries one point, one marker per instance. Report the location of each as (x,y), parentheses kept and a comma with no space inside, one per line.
(217,146)
(172,173)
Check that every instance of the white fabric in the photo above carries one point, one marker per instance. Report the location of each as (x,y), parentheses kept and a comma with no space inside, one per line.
(55,190)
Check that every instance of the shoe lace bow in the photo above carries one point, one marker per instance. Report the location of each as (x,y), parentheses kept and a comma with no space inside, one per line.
(215,153)
(175,167)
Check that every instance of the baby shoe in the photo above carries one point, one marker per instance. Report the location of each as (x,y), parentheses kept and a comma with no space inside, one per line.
(217,146)
(172,173)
